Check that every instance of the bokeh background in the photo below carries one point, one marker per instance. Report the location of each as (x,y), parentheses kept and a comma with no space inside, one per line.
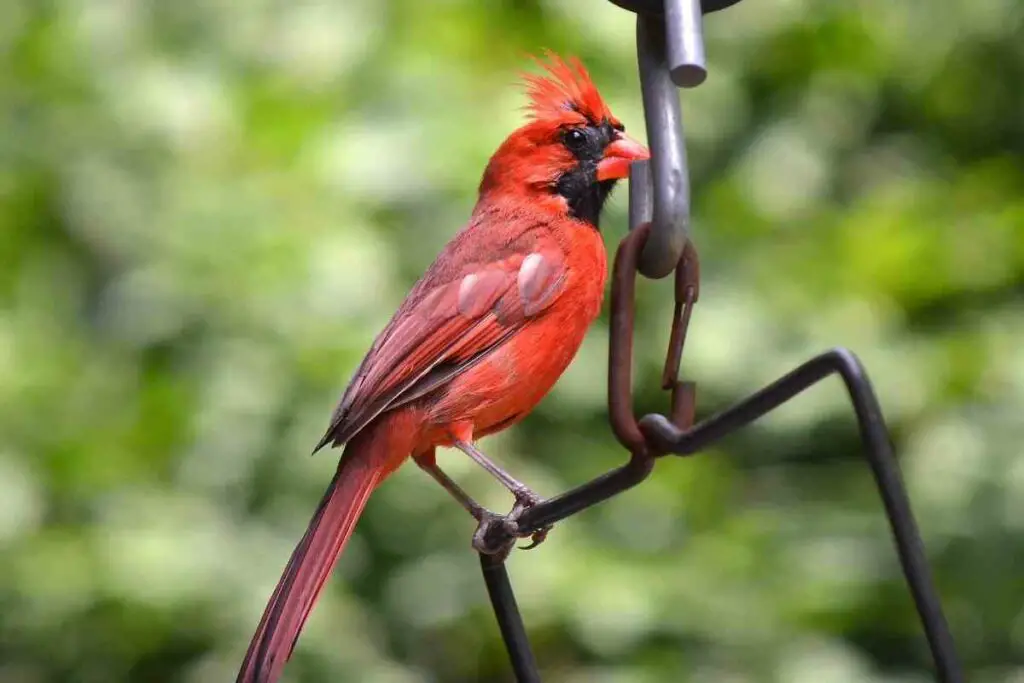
(209,209)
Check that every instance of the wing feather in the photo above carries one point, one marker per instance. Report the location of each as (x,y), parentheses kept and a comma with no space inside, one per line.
(459,313)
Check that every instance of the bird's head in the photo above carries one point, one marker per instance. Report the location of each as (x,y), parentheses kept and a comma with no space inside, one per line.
(571,153)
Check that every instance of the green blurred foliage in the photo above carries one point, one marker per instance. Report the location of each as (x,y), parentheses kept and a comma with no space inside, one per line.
(208,210)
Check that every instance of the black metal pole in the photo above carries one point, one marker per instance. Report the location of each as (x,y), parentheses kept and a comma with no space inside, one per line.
(664,436)
(510,622)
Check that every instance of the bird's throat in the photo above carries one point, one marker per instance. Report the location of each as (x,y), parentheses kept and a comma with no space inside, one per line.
(584,194)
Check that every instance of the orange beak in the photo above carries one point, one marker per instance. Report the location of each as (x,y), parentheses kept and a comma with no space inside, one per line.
(618,155)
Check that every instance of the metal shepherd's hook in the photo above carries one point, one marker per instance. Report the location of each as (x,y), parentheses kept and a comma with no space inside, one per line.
(670,54)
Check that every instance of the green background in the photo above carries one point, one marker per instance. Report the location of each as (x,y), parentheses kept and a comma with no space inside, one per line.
(208,210)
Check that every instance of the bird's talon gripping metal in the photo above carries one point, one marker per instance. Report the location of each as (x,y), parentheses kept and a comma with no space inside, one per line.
(495,534)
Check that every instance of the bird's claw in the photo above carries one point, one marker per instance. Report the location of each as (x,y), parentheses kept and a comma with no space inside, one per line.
(537,538)
(526,499)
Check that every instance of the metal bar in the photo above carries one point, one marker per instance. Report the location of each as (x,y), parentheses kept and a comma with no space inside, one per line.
(510,622)
(655,435)
(641,196)
(665,437)
(685,39)
(669,174)
(620,341)
(587,495)
(659,223)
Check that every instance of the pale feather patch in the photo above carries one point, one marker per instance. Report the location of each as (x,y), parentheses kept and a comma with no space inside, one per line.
(538,280)
(528,274)
(466,290)
(433,305)
(479,291)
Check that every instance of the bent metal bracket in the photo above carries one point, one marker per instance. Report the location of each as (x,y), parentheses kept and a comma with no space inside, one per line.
(670,54)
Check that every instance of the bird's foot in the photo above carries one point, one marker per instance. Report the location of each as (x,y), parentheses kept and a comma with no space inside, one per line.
(495,534)
(526,499)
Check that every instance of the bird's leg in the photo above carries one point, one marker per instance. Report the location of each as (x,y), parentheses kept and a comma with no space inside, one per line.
(525,497)
(495,534)
(428,465)
(521,491)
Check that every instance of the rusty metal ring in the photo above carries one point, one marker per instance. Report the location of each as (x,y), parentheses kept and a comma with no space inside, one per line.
(620,347)
(620,341)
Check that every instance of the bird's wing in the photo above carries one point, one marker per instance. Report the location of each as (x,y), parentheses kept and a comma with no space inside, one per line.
(462,309)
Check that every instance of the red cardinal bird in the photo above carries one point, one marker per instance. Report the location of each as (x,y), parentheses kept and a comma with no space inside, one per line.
(479,340)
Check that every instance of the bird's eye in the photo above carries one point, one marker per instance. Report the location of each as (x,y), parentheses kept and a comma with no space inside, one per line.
(575,138)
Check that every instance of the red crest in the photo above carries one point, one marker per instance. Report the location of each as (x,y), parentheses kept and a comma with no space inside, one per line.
(565,94)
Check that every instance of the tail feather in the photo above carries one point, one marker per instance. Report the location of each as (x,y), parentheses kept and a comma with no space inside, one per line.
(307,571)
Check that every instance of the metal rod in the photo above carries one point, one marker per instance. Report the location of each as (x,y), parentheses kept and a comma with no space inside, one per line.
(659,221)
(664,437)
(655,435)
(878,450)
(669,175)
(587,495)
(510,622)
(641,197)
(620,341)
(685,39)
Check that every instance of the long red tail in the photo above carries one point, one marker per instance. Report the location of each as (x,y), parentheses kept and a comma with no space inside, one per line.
(312,561)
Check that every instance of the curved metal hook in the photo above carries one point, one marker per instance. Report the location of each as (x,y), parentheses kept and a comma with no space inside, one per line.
(670,53)
(669,185)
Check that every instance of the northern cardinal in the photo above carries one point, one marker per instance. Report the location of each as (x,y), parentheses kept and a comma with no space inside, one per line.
(480,339)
